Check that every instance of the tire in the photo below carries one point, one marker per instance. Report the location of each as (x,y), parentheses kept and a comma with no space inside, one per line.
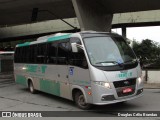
(31,87)
(80,101)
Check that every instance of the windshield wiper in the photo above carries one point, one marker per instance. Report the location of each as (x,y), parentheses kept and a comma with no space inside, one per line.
(118,63)
(114,62)
(130,61)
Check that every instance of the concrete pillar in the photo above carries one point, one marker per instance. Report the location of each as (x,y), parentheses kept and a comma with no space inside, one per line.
(92,15)
(124,34)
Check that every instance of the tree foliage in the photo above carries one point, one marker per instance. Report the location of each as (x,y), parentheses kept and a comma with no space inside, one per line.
(147,51)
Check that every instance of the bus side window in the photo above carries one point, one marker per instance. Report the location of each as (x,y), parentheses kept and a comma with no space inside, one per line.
(21,55)
(16,55)
(32,54)
(51,53)
(41,53)
(62,57)
(25,54)
(77,59)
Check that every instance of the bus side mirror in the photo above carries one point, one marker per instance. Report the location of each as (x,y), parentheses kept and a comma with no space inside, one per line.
(74,47)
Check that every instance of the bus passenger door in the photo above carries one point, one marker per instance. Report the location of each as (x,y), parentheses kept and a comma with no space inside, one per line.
(78,69)
(62,67)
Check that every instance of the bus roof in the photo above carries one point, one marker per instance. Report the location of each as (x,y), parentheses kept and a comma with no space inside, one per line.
(61,36)
(50,38)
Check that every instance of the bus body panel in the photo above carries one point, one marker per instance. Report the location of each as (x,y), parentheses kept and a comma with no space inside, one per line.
(98,91)
(51,75)
(44,77)
(80,77)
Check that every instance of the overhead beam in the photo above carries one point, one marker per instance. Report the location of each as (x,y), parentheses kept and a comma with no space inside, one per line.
(136,19)
(133,19)
(51,26)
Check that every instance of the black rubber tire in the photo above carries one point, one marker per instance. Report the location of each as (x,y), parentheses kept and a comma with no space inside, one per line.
(31,87)
(80,101)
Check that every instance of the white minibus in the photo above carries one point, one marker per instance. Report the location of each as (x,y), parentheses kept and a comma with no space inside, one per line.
(90,68)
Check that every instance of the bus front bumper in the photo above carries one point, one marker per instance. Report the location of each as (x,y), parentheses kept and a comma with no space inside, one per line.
(110,99)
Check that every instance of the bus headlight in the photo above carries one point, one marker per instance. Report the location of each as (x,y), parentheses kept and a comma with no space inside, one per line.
(103,84)
(139,80)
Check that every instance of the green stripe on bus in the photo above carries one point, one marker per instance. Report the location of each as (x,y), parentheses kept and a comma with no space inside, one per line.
(50,87)
(24,44)
(54,38)
(58,38)
(21,80)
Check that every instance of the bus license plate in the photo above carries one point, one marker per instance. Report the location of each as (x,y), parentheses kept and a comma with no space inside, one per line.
(127,90)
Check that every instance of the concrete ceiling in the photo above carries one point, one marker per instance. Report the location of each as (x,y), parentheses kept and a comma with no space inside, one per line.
(121,6)
(19,11)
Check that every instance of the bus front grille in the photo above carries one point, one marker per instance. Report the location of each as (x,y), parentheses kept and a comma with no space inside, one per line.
(123,83)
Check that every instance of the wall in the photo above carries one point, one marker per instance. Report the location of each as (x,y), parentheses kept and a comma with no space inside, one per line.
(153,76)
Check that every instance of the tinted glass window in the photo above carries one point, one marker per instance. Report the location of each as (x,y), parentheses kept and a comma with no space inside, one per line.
(51,53)
(16,55)
(32,54)
(25,54)
(63,49)
(41,53)
(77,59)
(21,54)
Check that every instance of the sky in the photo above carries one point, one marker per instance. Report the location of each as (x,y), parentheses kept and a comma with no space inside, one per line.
(140,33)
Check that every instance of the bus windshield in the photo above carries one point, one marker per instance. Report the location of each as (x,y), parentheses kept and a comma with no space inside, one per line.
(109,51)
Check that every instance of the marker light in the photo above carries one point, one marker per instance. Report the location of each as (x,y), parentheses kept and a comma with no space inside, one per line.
(89,93)
(24,68)
(104,84)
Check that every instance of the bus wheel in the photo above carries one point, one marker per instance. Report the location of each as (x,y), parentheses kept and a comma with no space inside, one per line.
(81,102)
(31,87)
